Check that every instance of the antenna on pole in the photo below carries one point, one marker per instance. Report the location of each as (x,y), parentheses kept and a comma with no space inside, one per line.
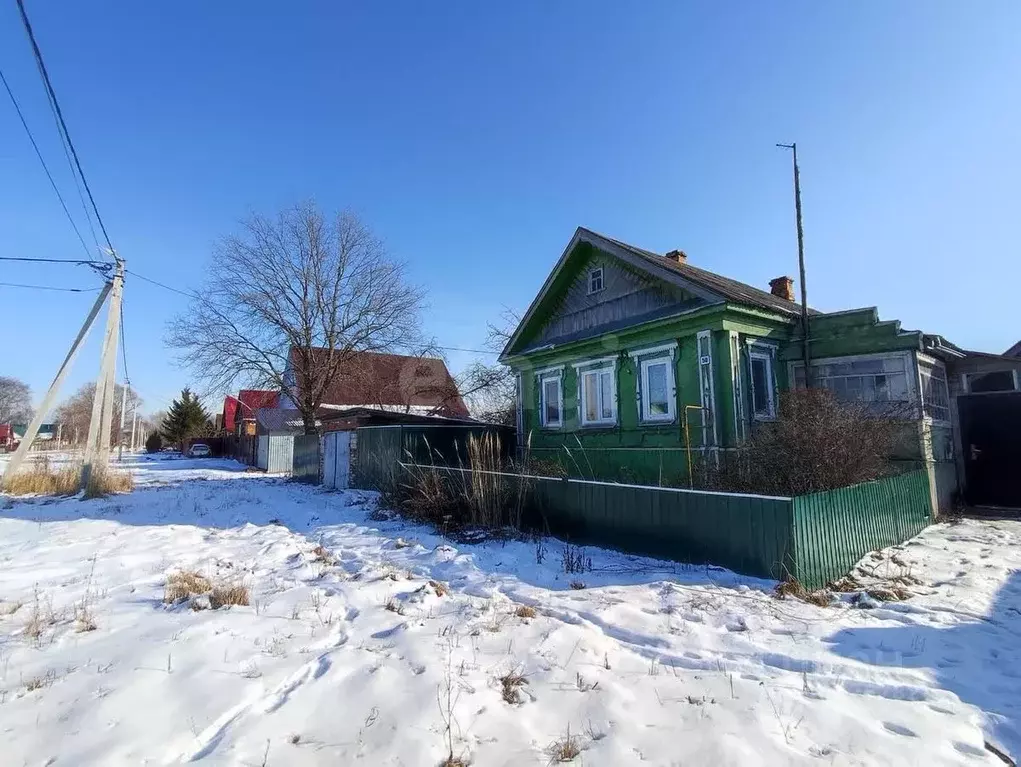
(801,264)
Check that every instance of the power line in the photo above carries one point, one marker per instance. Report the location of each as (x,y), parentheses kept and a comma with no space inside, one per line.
(78,261)
(474,351)
(47,287)
(60,116)
(39,154)
(160,284)
(124,347)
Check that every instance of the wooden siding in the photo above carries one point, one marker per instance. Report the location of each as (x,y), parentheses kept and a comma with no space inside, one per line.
(625,295)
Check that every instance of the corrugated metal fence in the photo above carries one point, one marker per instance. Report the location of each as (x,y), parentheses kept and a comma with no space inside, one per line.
(382,448)
(305,458)
(835,529)
(814,539)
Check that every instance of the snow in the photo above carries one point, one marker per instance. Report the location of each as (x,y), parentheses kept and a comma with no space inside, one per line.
(643,661)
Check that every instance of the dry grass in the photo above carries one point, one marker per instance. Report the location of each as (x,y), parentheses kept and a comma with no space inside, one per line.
(225,595)
(43,480)
(511,684)
(454,761)
(35,683)
(793,588)
(11,608)
(184,584)
(394,606)
(104,481)
(525,611)
(322,554)
(441,589)
(565,749)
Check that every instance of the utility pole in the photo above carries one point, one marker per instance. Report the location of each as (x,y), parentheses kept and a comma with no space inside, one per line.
(120,434)
(801,264)
(97,448)
(51,394)
(134,426)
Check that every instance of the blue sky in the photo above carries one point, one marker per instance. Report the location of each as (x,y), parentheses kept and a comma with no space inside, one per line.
(475,137)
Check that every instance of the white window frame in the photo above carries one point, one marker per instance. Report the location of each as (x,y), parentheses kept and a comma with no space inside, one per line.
(760,351)
(593,275)
(600,367)
(544,377)
(938,365)
(671,390)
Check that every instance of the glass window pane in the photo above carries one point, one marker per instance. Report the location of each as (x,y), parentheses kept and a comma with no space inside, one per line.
(1001,380)
(656,376)
(551,396)
(606,382)
(760,386)
(867,366)
(898,387)
(588,386)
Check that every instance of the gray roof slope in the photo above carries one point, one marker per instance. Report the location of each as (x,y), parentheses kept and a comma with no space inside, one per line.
(732,290)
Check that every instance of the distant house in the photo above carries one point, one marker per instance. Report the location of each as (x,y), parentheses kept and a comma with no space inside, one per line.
(631,359)
(239,413)
(6,436)
(391,382)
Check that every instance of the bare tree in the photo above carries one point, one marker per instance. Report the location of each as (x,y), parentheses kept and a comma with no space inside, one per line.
(489,389)
(74,413)
(15,401)
(291,301)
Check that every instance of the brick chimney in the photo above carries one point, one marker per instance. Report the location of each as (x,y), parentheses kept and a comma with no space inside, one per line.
(678,256)
(782,287)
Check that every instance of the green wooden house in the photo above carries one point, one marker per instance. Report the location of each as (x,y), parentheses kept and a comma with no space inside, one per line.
(626,357)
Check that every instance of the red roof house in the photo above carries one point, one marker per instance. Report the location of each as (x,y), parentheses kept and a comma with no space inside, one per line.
(242,408)
(420,385)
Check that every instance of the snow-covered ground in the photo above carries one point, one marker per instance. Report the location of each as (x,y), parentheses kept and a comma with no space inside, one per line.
(351,652)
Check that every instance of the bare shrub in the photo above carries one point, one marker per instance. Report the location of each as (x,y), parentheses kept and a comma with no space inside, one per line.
(393,605)
(224,595)
(103,482)
(440,588)
(184,584)
(816,443)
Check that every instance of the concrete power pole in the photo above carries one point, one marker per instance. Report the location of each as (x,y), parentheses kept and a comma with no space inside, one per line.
(97,446)
(51,395)
(134,428)
(120,434)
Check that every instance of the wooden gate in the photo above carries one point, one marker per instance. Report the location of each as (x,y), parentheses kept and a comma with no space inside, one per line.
(337,460)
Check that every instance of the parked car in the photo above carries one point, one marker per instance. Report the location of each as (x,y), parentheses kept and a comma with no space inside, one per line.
(199,450)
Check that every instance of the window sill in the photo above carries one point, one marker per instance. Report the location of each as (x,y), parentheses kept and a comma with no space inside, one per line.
(599,425)
(762,418)
(658,421)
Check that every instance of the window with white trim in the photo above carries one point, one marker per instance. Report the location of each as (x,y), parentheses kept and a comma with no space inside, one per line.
(935,396)
(595,280)
(551,400)
(657,389)
(598,390)
(873,378)
(760,365)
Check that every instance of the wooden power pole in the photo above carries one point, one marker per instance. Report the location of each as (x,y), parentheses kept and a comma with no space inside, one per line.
(97,445)
(801,265)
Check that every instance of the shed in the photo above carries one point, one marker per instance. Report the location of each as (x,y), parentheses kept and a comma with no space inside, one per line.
(276,429)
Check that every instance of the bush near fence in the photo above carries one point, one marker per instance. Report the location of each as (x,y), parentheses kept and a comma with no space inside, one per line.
(812,539)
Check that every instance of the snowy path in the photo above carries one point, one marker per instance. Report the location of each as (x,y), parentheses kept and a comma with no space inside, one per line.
(345,651)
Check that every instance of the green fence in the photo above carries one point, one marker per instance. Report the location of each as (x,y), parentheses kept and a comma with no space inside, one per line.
(379,449)
(814,539)
(306,457)
(835,529)
(746,533)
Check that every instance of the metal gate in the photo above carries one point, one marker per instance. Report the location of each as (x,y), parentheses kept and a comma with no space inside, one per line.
(337,460)
(262,459)
(306,457)
(991,438)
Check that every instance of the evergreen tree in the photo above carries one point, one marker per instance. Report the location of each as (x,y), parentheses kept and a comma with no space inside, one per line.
(154,443)
(185,419)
